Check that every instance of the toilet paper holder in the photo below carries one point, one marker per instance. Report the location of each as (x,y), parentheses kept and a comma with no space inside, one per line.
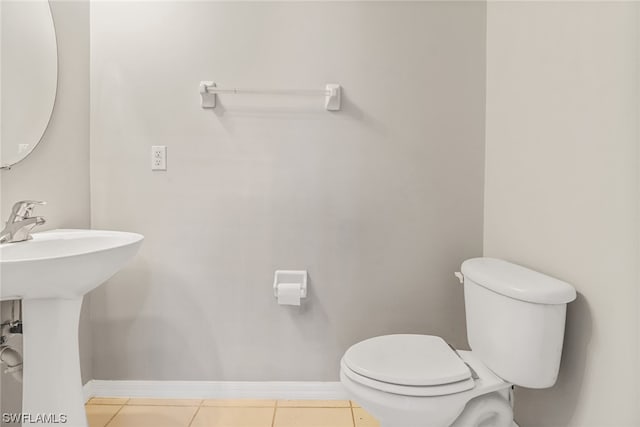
(298,277)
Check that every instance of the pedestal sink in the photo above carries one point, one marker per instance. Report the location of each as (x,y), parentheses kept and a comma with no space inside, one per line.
(51,274)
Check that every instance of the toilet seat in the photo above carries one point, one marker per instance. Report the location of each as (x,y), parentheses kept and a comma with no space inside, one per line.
(409,390)
(407,364)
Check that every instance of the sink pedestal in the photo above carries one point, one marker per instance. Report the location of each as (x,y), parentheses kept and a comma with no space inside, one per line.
(52,385)
(50,274)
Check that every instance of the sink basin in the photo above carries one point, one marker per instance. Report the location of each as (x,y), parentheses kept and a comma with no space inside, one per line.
(51,274)
(63,263)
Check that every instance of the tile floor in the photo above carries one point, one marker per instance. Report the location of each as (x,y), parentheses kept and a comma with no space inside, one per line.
(116,412)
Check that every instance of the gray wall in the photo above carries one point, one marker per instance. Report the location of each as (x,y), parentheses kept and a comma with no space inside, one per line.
(380,202)
(562,189)
(58,169)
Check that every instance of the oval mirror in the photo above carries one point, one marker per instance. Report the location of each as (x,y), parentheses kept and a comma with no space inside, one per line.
(28,76)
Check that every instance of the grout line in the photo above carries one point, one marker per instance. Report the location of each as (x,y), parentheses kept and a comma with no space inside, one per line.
(113,416)
(273,419)
(237,406)
(194,416)
(353,417)
(309,407)
(221,406)
(314,406)
(159,406)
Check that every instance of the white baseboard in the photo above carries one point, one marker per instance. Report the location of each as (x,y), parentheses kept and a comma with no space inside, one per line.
(301,390)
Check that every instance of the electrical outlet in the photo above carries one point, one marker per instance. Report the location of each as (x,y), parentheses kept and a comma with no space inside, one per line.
(159,158)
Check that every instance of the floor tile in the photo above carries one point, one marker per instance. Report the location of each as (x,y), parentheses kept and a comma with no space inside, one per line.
(100,415)
(314,404)
(248,403)
(154,416)
(164,402)
(313,417)
(233,417)
(107,401)
(354,404)
(364,419)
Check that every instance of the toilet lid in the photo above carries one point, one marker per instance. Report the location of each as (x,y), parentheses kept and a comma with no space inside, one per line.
(406,359)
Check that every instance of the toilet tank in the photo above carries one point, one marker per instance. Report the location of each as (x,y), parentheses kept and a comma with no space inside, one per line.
(515,320)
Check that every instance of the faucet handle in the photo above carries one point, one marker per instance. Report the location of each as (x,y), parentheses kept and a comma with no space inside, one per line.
(23,208)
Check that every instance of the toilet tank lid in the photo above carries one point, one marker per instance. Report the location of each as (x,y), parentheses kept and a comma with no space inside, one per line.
(517,282)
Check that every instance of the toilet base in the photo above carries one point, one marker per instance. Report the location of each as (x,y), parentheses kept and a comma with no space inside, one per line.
(491,410)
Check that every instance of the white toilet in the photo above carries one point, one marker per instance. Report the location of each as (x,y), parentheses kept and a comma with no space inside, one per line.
(515,328)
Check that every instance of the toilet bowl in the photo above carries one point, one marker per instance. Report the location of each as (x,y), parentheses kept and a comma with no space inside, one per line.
(515,328)
(419,381)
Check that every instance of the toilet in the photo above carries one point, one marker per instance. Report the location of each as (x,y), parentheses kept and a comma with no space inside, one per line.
(515,328)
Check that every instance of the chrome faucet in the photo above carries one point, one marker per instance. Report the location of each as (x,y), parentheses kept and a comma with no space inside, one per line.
(20,223)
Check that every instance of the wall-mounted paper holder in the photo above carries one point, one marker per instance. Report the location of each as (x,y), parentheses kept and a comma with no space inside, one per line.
(290,278)
(332,94)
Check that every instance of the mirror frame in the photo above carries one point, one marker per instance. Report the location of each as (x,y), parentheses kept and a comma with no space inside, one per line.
(55,96)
